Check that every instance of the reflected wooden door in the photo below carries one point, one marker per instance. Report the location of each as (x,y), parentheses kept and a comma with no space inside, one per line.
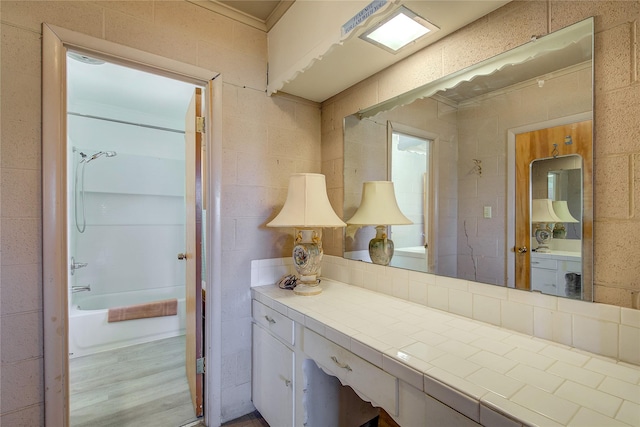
(193,238)
(537,145)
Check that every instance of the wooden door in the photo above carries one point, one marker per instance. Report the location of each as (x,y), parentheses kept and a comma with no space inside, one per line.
(539,144)
(193,241)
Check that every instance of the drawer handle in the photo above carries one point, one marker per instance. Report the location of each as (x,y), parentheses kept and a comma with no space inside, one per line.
(342,365)
(287,382)
(270,319)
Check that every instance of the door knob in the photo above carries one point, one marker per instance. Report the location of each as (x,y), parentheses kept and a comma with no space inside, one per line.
(182,256)
(523,250)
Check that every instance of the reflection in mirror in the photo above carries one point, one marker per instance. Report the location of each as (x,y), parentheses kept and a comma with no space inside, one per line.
(410,167)
(410,171)
(556,221)
(459,193)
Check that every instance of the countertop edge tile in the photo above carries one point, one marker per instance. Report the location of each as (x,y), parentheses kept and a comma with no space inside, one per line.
(402,372)
(466,405)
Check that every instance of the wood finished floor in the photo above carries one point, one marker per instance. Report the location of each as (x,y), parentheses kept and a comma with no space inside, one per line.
(138,386)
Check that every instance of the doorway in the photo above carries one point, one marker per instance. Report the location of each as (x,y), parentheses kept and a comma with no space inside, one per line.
(58,161)
(126,222)
(411,168)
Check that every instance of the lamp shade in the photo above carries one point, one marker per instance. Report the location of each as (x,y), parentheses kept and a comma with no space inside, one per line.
(542,211)
(307,204)
(378,206)
(561,209)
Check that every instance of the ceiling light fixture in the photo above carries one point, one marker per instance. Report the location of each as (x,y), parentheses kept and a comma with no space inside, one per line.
(398,30)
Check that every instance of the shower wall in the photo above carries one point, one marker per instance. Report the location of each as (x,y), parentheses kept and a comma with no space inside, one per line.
(134,205)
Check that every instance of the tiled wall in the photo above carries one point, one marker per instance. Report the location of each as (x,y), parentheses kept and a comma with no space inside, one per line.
(602,329)
(617,108)
(265,139)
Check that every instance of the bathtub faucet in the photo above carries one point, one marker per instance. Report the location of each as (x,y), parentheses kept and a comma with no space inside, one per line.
(75,289)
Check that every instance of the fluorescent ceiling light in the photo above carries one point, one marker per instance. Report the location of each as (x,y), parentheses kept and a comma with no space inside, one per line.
(398,30)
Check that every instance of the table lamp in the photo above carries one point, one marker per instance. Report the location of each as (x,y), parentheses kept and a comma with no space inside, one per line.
(380,209)
(543,215)
(307,208)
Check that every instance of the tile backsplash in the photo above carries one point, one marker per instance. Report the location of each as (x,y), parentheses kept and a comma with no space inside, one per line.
(603,329)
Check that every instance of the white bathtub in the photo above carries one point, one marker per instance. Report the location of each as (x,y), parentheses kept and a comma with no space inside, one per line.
(89,331)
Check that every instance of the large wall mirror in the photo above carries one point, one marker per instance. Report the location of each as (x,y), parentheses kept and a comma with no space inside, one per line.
(475,156)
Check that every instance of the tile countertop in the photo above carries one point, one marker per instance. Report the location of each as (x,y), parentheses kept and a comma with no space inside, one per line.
(468,364)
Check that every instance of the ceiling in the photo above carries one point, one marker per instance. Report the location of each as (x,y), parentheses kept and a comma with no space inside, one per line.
(354,60)
(259,9)
(337,71)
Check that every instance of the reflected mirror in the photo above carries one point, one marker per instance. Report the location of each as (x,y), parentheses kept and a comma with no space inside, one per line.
(556,222)
(450,149)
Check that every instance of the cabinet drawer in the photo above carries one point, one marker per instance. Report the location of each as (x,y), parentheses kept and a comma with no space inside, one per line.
(366,379)
(549,264)
(277,323)
(572,267)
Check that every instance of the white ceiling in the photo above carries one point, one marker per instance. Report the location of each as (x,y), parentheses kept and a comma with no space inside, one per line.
(259,9)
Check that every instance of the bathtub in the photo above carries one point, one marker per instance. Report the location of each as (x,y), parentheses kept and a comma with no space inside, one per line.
(89,331)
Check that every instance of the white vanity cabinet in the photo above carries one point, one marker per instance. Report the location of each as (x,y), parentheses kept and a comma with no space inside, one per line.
(273,374)
(548,271)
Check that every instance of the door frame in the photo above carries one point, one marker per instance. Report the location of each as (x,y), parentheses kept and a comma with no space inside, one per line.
(55,43)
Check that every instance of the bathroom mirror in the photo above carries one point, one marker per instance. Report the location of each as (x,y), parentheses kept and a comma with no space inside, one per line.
(461,195)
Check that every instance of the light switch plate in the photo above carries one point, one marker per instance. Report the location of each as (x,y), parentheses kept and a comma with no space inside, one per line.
(487,211)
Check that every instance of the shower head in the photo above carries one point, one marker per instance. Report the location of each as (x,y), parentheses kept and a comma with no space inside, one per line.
(99,154)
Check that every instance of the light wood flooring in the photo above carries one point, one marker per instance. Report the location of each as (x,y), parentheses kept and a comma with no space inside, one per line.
(137,386)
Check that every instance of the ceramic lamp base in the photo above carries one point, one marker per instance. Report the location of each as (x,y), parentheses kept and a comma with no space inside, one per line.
(307,256)
(543,237)
(381,247)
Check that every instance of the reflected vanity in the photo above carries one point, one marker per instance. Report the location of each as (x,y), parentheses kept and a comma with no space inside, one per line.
(451,148)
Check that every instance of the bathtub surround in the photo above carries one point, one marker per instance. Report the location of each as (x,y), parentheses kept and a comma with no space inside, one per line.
(606,330)
(261,134)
